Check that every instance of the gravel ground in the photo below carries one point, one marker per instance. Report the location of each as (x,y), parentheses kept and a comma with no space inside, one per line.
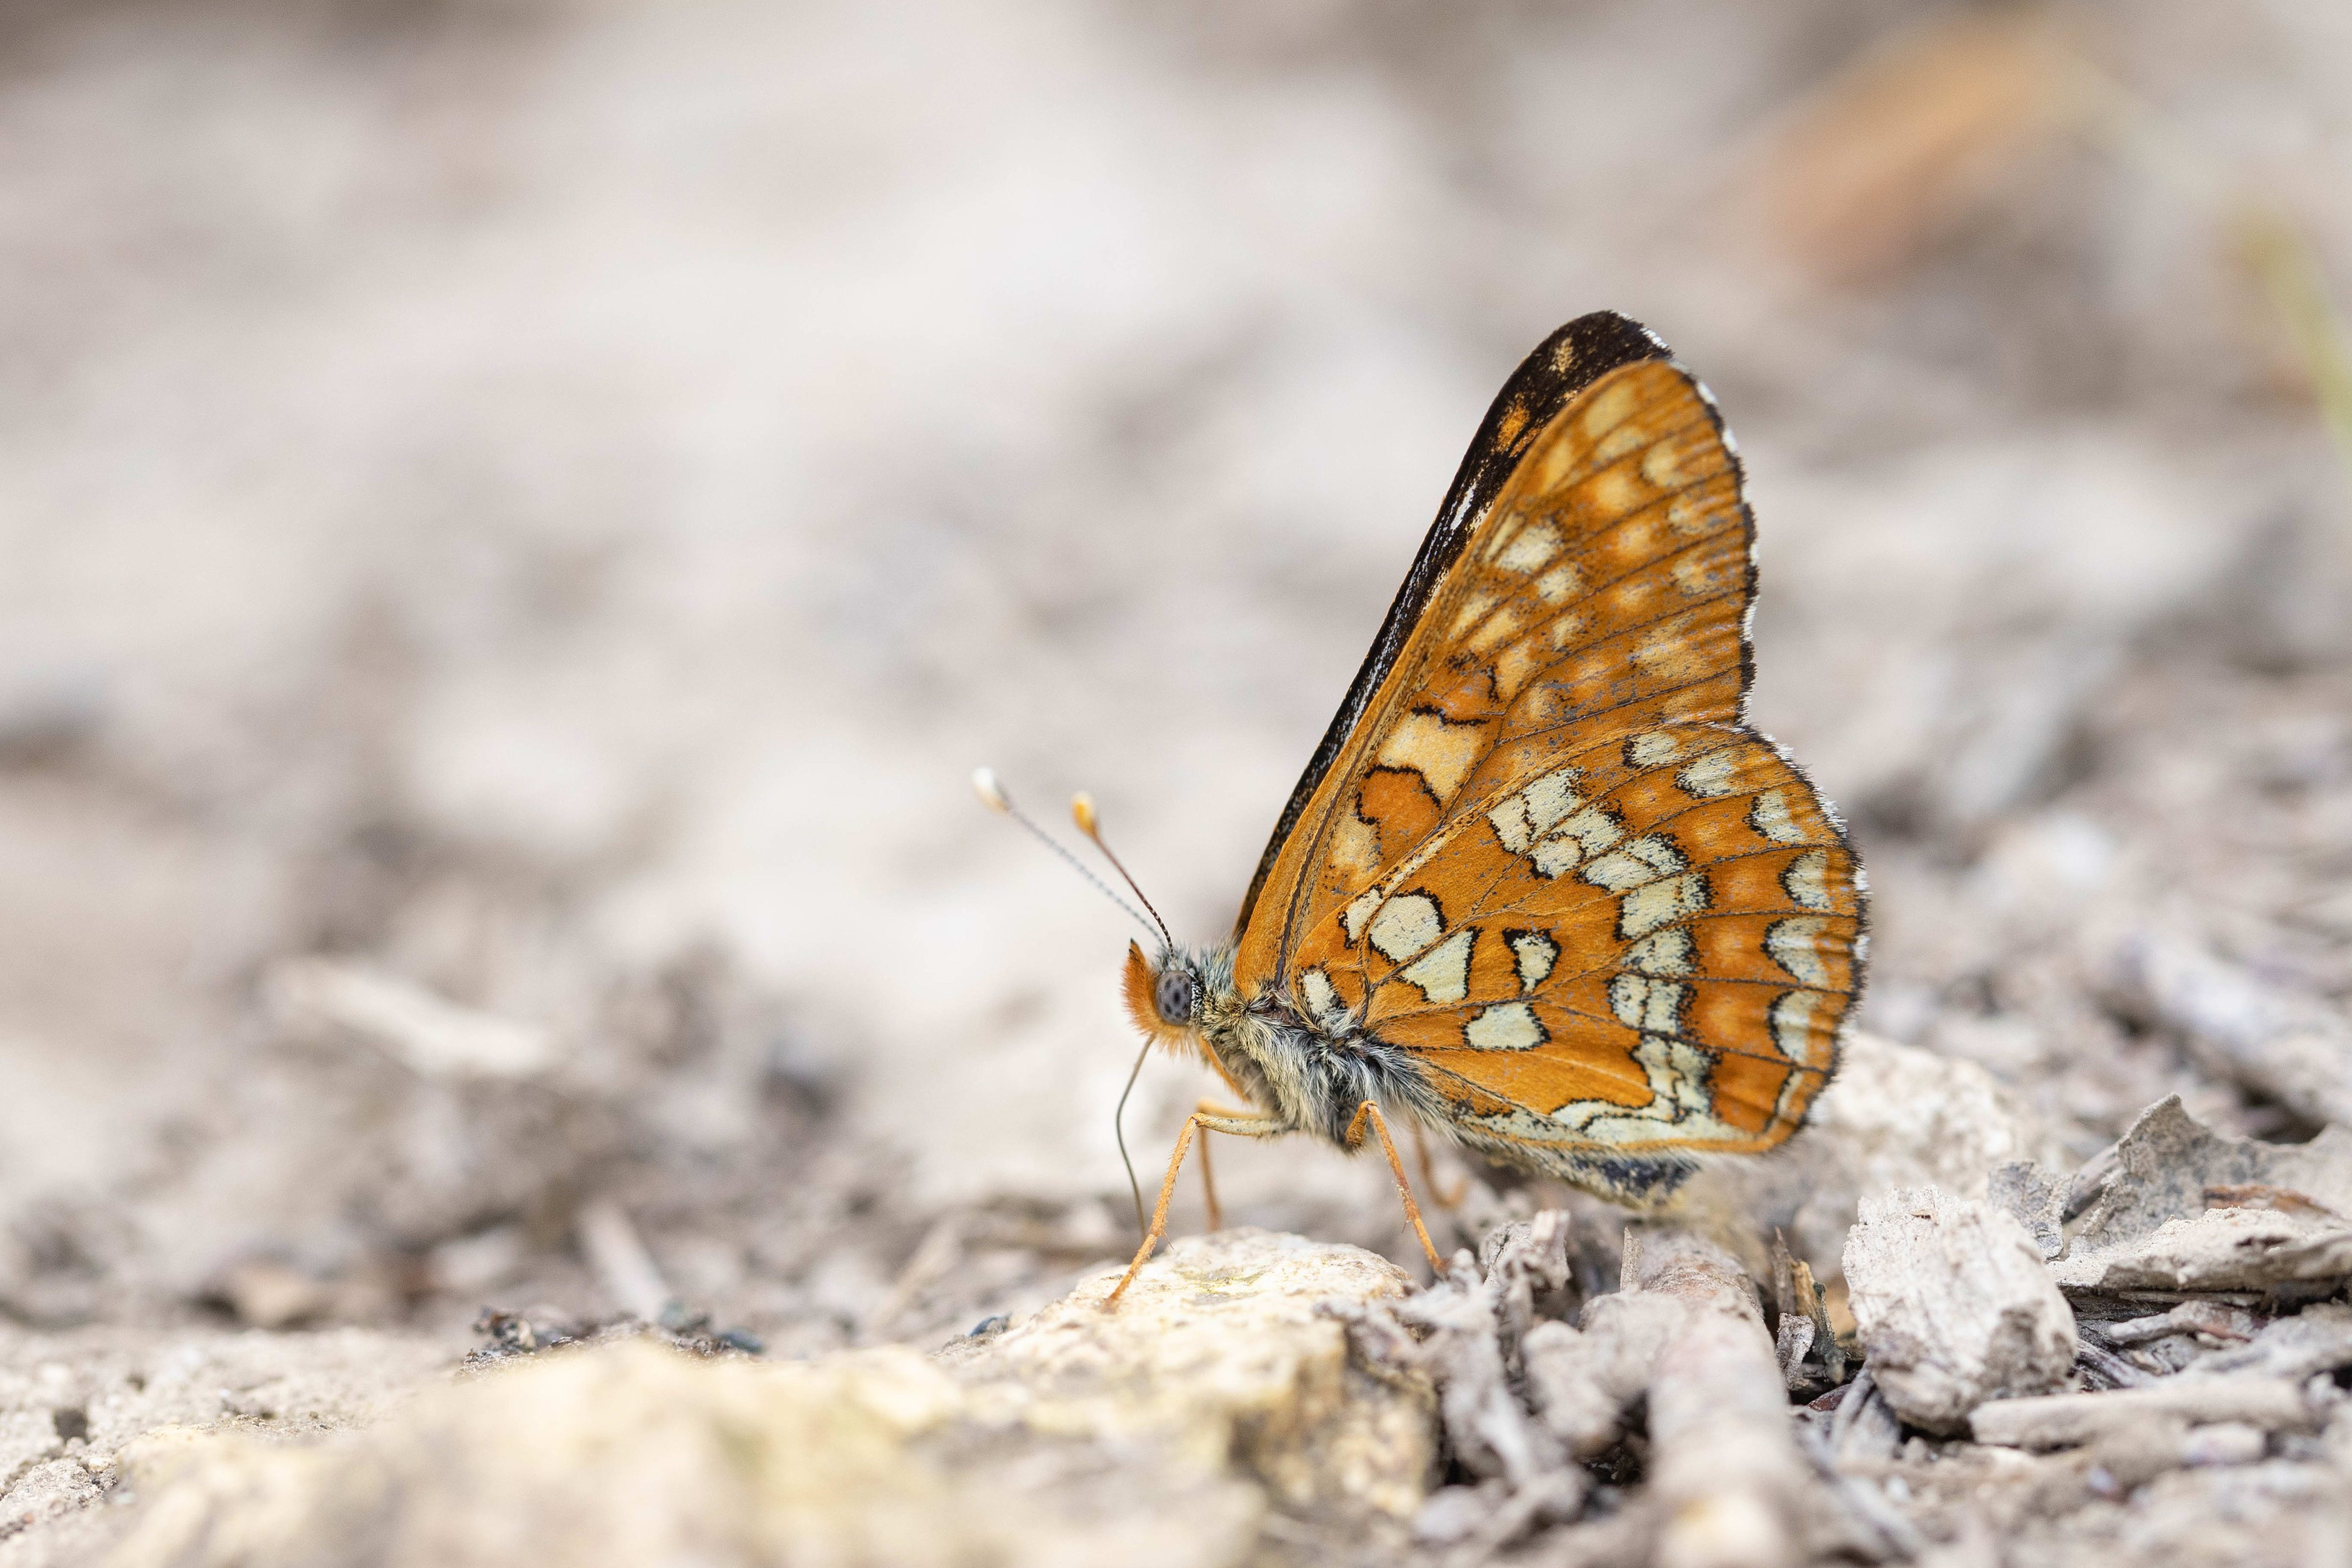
(523,514)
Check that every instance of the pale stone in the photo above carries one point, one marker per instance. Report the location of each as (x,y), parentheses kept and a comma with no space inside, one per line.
(1155,1434)
(1895,1116)
(1220,1342)
(2175,1206)
(1954,1306)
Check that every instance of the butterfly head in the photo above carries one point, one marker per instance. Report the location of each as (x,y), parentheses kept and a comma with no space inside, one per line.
(1163,995)
(1172,997)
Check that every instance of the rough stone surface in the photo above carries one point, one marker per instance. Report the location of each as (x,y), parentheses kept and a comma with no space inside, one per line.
(1160,1434)
(2169,1165)
(2223,1249)
(1954,1306)
(2175,1206)
(1223,1347)
(1895,1116)
(2036,1197)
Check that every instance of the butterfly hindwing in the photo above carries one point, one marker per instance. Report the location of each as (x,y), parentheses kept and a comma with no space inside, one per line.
(1548,858)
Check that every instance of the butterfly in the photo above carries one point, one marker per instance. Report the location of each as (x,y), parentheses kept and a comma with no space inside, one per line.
(1542,889)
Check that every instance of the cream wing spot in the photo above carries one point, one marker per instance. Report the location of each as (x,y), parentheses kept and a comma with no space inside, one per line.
(1444,972)
(1473,609)
(1582,835)
(1645,909)
(1653,1006)
(1511,825)
(1499,628)
(1594,828)
(1561,584)
(1796,946)
(1365,906)
(1678,1073)
(1552,796)
(1644,861)
(1611,409)
(1519,819)
(1504,1026)
(1536,953)
(1652,750)
(1355,847)
(1791,1017)
(1322,1001)
(1772,818)
(1527,549)
(1614,492)
(1406,924)
(1665,953)
(1674,460)
(1716,773)
(1556,857)
(1807,881)
(1442,753)
(1514,667)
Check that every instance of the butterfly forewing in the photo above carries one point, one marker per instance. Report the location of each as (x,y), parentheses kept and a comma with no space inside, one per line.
(1552,862)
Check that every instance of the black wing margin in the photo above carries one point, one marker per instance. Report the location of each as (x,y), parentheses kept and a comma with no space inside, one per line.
(1562,366)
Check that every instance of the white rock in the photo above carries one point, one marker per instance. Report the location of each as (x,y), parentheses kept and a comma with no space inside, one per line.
(1895,1116)
(1154,1435)
(1954,1306)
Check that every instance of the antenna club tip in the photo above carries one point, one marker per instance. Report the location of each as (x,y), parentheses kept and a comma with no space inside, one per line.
(1082,812)
(991,792)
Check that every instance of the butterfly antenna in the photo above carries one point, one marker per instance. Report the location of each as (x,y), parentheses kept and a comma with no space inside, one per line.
(991,790)
(1082,812)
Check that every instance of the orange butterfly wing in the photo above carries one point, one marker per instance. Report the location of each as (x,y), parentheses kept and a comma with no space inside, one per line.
(1541,851)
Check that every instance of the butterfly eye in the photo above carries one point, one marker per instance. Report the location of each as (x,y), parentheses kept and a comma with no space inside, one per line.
(1176,996)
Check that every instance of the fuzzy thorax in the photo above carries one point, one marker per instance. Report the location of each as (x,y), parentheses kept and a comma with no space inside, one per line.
(1301,1077)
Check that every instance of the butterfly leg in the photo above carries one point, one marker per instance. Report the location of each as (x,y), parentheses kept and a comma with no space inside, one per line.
(1198,1122)
(1209,1189)
(1437,1194)
(1396,1169)
(1208,1177)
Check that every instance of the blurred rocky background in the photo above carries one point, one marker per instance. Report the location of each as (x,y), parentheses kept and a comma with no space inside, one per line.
(519,517)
